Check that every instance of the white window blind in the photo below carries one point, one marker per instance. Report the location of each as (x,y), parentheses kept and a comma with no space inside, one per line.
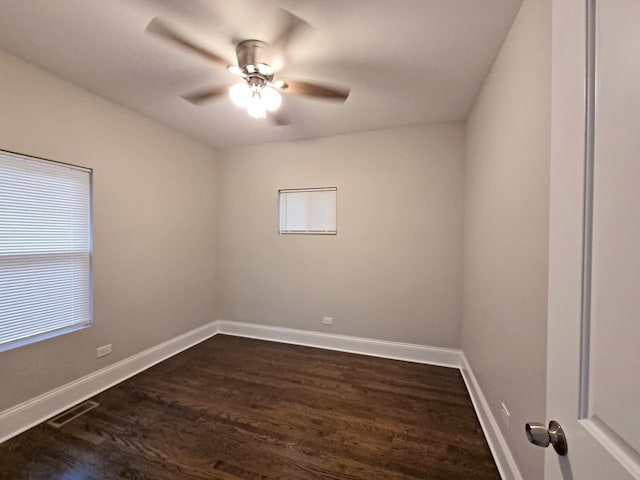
(45,249)
(308,210)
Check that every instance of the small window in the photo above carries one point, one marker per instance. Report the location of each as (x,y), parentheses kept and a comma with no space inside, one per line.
(308,211)
(45,249)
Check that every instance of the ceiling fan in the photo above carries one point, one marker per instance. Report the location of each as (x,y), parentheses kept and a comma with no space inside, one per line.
(258,92)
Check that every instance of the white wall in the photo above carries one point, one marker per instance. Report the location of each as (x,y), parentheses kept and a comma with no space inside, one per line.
(394,269)
(506,230)
(154,224)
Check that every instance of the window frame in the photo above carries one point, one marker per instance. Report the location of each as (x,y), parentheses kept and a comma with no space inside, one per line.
(310,189)
(89,322)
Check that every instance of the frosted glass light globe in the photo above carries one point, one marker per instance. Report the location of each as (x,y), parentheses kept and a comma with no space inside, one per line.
(240,94)
(271,98)
(256,107)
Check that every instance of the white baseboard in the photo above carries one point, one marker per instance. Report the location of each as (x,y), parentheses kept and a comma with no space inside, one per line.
(501,454)
(17,419)
(445,357)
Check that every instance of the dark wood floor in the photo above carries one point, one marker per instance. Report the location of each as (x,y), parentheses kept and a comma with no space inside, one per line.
(235,408)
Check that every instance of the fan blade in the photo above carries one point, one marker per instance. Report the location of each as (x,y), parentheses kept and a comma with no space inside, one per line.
(315,90)
(158,27)
(292,26)
(202,96)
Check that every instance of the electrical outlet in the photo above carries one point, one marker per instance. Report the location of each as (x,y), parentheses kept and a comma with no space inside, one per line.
(506,416)
(327,320)
(104,350)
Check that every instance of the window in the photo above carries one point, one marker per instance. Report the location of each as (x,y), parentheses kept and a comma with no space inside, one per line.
(45,249)
(308,211)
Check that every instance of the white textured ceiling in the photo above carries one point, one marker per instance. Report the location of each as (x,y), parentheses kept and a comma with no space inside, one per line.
(406,61)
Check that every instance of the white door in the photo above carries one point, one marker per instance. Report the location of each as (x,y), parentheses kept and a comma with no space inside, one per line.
(594,257)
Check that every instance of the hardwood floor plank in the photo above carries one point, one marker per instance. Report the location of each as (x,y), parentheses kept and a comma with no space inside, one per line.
(234,408)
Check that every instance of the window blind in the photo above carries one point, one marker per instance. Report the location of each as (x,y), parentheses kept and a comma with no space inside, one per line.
(309,210)
(45,249)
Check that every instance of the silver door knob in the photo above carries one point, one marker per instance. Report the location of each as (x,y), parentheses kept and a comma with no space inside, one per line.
(542,436)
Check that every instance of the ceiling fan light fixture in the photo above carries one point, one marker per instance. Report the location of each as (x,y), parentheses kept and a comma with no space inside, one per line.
(240,94)
(256,99)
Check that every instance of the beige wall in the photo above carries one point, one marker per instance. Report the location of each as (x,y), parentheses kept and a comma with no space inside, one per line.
(506,230)
(154,233)
(394,269)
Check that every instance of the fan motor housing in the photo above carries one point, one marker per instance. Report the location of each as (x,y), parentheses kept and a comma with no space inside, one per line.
(254,56)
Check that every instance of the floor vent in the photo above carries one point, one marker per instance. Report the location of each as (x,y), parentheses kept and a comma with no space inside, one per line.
(72,413)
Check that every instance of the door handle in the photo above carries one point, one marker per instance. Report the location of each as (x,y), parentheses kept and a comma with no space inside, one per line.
(542,436)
